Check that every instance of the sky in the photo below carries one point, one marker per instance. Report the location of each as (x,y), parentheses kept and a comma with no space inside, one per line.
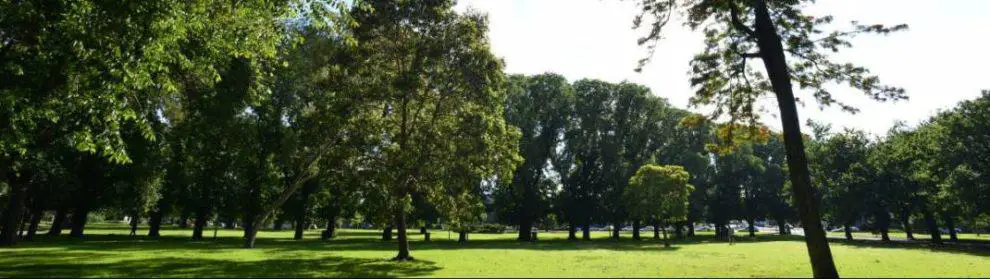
(941,59)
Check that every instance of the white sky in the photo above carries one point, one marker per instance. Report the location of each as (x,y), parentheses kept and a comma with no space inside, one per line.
(941,60)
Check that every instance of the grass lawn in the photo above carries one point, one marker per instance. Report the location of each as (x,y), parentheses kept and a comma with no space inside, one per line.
(359,253)
(920,236)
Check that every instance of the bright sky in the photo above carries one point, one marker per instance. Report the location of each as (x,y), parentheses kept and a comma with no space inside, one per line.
(941,60)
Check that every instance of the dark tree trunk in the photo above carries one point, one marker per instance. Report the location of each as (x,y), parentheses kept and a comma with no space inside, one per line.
(752,227)
(422,230)
(586,232)
(134,224)
(525,229)
(615,230)
(79,218)
(949,221)
(279,222)
(679,230)
(772,53)
(155,224)
(656,230)
(33,226)
(57,222)
(571,232)
(15,209)
(300,228)
(400,224)
(849,232)
(690,229)
(462,236)
(331,230)
(309,187)
(199,225)
(387,234)
(883,224)
(932,227)
(636,230)
(666,242)
(184,220)
(781,226)
(906,222)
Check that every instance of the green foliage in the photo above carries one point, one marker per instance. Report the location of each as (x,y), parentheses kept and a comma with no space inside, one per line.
(659,193)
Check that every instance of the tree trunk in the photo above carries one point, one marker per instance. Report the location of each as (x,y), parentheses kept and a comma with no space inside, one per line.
(586,232)
(300,228)
(571,232)
(883,224)
(400,224)
(331,230)
(952,228)
(690,229)
(199,225)
(279,222)
(461,236)
(422,230)
(906,222)
(656,230)
(79,218)
(184,220)
(781,226)
(387,234)
(772,52)
(636,230)
(15,208)
(33,226)
(849,232)
(525,229)
(57,222)
(679,230)
(932,227)
(666,242)
(155,224)
(301,211)
(615,230)
(752,227)
(134,224)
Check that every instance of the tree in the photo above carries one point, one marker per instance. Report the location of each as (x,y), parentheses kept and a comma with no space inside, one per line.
(840,168)
(659,192)
(435,78)
(737,31)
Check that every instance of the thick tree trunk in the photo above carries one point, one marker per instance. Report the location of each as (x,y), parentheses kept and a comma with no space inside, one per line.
(387,234)
(400,225)
(279,222)
(586,232)
(301,211)
(679,230)
(636,230)
(690,229)
(300,229)
(752,227)
(772,52)
(781,227)
(849,232)
(462,236)
(155,224)
(883,224)
(56,228)
(525,230)
(422,230)
(571,232)
(33,226)
(615,230)
(331,230)
(932,227)
(949,221)
(656,230)
(184,220)
(15,209)
(199,225)
(79,218)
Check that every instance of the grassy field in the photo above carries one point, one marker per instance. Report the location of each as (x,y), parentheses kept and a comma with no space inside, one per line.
(107,251)
(901,235)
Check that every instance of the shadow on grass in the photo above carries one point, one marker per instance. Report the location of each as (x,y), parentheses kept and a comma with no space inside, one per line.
(976,248)
(53,263)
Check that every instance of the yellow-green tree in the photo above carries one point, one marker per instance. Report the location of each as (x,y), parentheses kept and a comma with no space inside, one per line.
(660,193)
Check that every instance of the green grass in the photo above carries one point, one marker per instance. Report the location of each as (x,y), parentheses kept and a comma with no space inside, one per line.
(920,236)
(359,253)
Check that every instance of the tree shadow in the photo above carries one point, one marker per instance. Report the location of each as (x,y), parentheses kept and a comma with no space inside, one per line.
(976,248)
(55,264)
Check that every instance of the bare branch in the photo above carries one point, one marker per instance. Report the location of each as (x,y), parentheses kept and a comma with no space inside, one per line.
(737,23)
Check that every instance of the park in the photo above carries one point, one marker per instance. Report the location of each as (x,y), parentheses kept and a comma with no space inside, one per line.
(476,138)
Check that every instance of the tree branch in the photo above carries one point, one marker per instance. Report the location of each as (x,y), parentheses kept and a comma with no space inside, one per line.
(737,23)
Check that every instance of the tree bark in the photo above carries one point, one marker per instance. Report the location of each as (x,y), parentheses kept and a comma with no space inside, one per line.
(952,228)
(679,230)
(906,222)
(15,209)
(636,230)
(155,223)
(752,227)
(400,224)
(301,211)
(331,230)
(387,234)
(656,230)
(615,230)
(571,232)
(772,53)
(199,225)
(79,218)
(883,224)
(666,242)
(690,229)
(525,229)
(33,226)
(586,232)
(461,236)
(849,233)
(932,227)
(57,222)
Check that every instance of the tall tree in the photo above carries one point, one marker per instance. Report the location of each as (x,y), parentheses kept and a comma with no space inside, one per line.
(775,32)
(659,192)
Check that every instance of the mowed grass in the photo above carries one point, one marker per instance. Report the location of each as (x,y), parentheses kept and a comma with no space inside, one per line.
(108,251)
